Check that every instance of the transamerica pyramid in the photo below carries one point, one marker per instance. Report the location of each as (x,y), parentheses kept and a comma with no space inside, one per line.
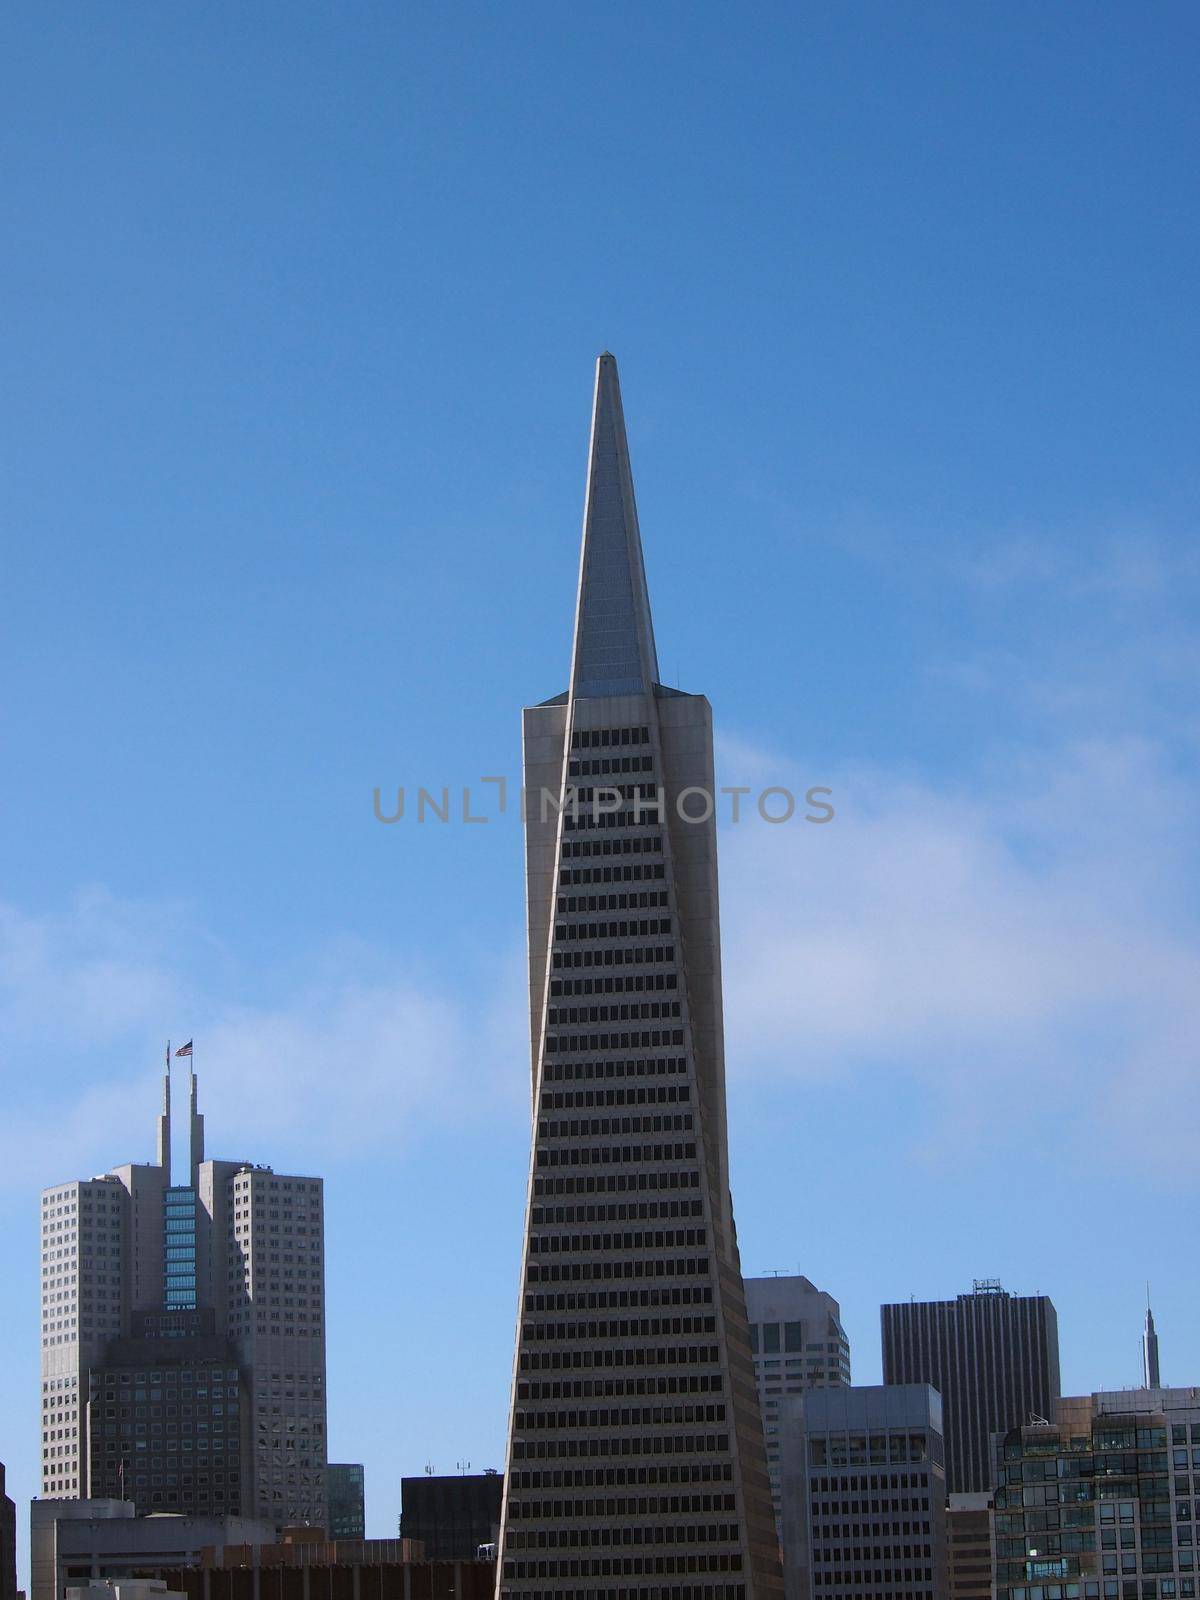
(636,1468)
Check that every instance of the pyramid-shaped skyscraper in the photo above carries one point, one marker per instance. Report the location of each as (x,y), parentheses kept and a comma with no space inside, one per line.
(636,1468)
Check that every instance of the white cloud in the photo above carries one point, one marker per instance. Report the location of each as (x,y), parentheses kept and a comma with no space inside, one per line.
(351,1060)
(1024,949)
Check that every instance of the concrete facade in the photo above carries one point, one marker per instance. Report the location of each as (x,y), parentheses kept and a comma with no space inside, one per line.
(798,1343)
(864,1494)
(78,1542)
(636,1463)
(124,1589)
(151,1288)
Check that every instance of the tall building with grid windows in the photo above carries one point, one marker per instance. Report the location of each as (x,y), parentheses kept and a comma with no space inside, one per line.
(798,1343)
(636,1465)
(864,1494)
(183,1336)
(993,1358)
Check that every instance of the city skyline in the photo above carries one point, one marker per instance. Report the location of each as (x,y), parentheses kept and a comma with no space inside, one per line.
(304,308)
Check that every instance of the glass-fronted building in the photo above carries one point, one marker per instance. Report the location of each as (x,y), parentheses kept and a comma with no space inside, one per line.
(1101,1503)
(179,1248)
(345,1494)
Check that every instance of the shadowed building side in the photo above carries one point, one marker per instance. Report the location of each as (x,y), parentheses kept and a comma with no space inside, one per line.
(993,1358)
(636,1463)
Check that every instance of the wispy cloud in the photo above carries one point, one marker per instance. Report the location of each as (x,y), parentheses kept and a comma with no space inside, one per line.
(1026,948)
(350,1061)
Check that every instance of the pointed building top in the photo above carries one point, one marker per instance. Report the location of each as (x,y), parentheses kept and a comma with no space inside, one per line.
(614,637)
(1150,1367)
(163,1124)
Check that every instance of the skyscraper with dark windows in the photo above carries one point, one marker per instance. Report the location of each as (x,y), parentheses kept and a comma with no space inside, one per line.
(183,1336)
(636,1465)
(993,1358)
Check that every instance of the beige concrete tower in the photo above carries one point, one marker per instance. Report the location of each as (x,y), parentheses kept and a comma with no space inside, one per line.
(636,1468)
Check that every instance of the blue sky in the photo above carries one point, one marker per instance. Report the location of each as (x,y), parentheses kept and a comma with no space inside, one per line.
(302,306)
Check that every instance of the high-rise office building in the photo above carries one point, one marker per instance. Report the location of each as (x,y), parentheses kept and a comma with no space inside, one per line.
(8,1543)
(183,1336)
(1102,1501)
(798,1343)
(636,1463)
(345,1492)
(864,1494)
(452,1516)
(993,1358)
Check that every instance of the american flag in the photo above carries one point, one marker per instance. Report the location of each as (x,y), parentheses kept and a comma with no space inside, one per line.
(184,1049)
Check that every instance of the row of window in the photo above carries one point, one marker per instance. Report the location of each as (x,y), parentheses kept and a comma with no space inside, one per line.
(601,1127)
(887,1580)
(628,956)
(643,812)
(622,1211)
(584,1042)
(604,738)
(674,1505)
(637,872)
(625,928)
(675,1591)
(603,1155)
(602,1299)
(618,1182)
(644,1067)
(654,1445)
(614,1417)
(615,1566)
(656,1094)
(872,1530)
(557,1016)
(1150,1589)
(637,983)
(614,1356)
(658,1239)
(661,1533)
(638,844)
(599,766)
(615,1388)
(621,1328)
(606,1271)
(857,1483)
(586,794)
(623,1477)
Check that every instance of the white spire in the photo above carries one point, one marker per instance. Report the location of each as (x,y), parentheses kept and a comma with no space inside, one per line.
(614,637)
